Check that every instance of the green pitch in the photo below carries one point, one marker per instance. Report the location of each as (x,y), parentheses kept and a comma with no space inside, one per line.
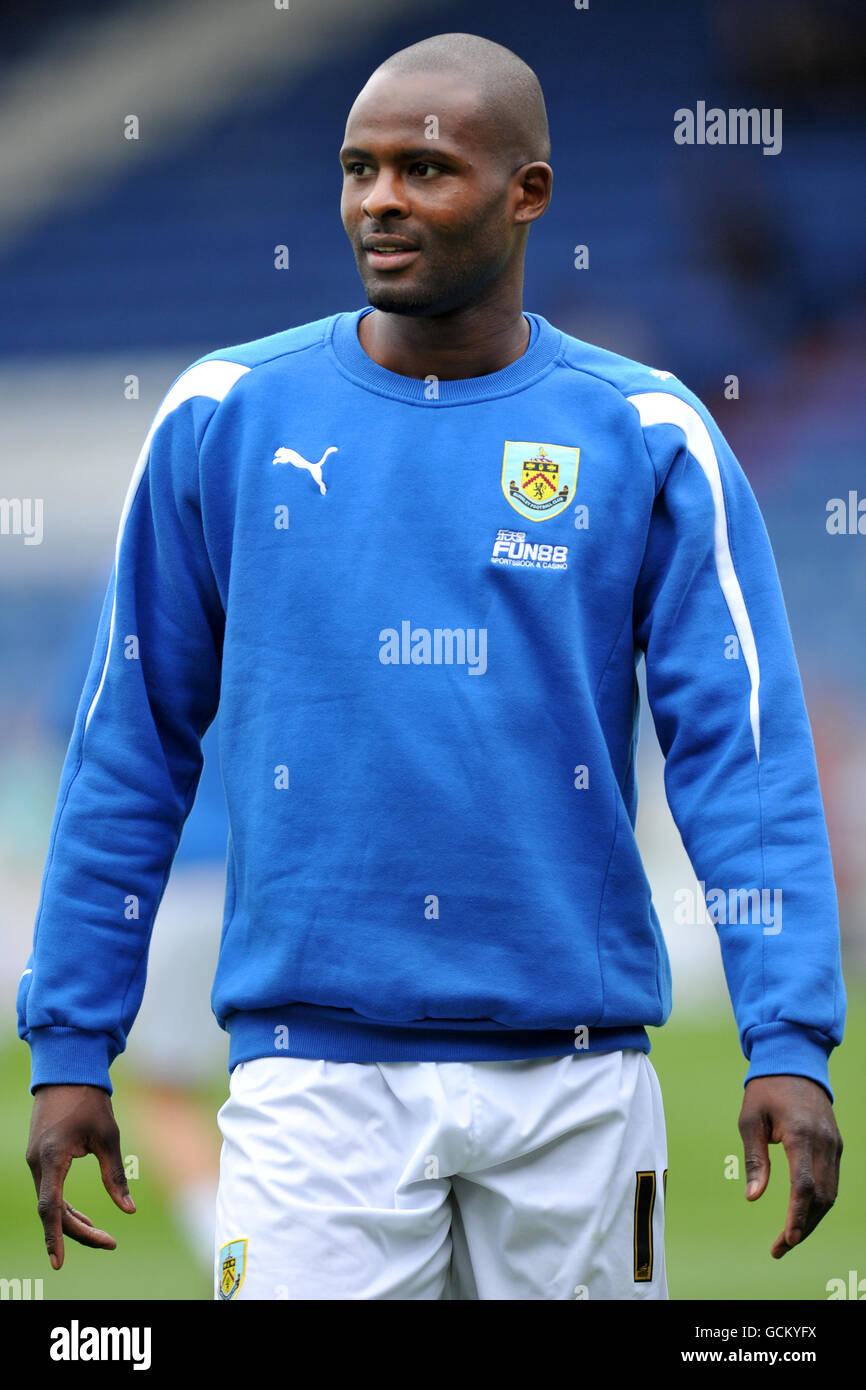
(717,1244)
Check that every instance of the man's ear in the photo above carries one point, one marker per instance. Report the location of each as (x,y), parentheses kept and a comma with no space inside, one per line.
(535,184)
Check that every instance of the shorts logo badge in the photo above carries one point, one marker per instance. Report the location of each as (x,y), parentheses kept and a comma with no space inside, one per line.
(232,1268)
(539,479)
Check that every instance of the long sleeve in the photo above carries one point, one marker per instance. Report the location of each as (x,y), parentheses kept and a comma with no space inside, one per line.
(134,758)
(740,773)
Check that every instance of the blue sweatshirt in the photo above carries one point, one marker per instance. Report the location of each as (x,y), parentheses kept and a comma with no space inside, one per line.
(419,606)
(204,835)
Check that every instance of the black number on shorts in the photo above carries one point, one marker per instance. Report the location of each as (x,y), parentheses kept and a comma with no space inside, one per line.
(644,1202)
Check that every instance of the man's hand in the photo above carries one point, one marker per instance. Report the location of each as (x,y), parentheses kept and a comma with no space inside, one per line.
(69,1122)
(797,1113)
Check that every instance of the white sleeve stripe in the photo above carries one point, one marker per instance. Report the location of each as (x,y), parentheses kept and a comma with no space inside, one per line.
(214,379)
(659,408)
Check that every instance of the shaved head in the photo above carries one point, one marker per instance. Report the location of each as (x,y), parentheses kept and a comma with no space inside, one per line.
(444,169)
(510,100)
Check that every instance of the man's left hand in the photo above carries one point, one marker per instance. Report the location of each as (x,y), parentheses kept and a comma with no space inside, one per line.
(797,1113)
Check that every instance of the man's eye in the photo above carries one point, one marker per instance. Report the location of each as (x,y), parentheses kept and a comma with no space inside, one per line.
(356,168)
(426,169)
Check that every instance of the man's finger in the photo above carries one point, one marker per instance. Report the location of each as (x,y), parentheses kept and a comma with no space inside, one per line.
(79,1215)
(757,1156)
(81,1229)
(113,1172)
(814,1168)
(799,1218)
(52,1172)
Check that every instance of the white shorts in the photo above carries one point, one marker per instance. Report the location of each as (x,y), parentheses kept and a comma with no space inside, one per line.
(538,1179)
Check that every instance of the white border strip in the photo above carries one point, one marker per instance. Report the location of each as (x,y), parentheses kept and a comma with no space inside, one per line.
(177,66)
(659,408)
(214,379)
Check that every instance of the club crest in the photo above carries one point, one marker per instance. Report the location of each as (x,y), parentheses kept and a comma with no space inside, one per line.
(232,1268)
(539,479)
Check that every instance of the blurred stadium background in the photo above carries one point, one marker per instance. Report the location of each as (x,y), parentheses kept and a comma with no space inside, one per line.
(123,259)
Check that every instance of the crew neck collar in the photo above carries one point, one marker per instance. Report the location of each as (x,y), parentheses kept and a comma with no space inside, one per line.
(354,362)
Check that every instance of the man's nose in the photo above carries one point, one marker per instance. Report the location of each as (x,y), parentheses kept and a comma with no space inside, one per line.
(386,198)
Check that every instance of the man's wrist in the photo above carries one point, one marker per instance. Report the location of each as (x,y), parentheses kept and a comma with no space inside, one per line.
(788,1049)
(62,1056)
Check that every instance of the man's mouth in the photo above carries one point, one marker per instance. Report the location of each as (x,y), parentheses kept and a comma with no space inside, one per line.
(389,255)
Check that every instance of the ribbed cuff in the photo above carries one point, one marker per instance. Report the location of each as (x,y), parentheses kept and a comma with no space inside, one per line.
(785,1049)
(70,1057)
(340,1035)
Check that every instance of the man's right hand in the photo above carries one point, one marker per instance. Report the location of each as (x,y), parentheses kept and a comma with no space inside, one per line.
(69,1122)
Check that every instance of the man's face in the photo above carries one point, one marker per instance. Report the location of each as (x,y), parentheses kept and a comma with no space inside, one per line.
(446,203)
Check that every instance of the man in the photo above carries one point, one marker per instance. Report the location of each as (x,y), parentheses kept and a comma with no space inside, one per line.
(413,552)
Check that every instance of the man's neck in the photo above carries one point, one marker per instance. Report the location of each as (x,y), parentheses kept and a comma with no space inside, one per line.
(466,343)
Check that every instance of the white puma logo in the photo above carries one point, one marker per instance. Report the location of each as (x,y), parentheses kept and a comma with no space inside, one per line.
(315,469)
